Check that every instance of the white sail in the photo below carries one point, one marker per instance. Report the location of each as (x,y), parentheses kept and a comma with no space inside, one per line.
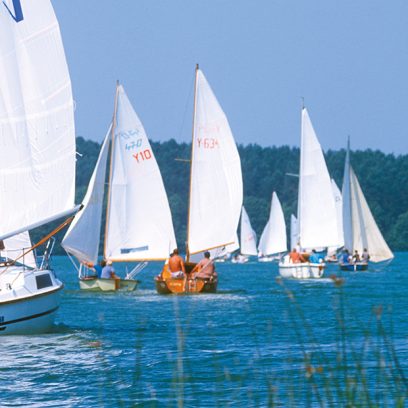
(316,207)
(37,151)
(339,214)
(273,239)
(83,236)
(294,231)
(234,246)
(216,179)
(366,233)
(248,235)
(14,248)
(139,224)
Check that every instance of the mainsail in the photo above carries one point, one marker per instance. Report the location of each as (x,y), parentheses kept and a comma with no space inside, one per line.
(139,224)
(339,213)
(216,179)
(294,231)
(37,154)
(316,206)
(273,238)
(360,228)
(248,235)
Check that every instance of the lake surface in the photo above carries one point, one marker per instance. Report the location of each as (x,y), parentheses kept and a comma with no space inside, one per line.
(254,343)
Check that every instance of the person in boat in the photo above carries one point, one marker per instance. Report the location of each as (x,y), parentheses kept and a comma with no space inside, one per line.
(296,257)
(345,258)
(95,268)
(314,257)
(365,256)
(176,265)
(205,269)
(108,272)
(356,257)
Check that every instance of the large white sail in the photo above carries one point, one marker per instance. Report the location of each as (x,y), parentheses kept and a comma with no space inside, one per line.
(273,239)
(83,236)
(139,224)
(294,231)
(316,207)
(339,213)
(248,235)
(216,179)
(16,246)
(37,152)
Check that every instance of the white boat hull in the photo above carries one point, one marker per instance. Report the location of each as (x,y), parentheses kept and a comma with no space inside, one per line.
(108,285)
(29,300)
(304,270)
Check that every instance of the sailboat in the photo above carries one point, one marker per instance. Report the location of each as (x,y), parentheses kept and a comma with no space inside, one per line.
(359,226)
(316,206)
(273,238)
(248,240)
(138,225)
(37,160)
(216,191)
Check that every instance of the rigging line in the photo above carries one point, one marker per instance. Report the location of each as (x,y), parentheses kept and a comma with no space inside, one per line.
(188,104)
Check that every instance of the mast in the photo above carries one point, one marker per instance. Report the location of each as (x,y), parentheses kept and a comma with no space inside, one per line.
(347,202)
(191,164)
(110,165)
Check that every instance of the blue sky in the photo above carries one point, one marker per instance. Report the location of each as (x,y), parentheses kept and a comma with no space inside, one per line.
(348,59)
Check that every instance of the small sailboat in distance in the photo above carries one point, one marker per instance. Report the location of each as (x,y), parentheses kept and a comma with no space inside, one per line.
(248,240)
(216,191)
(138,225)
(359,226)
(316,207)
(273,239)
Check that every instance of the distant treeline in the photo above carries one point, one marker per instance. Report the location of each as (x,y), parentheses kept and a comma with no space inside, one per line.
(383,178)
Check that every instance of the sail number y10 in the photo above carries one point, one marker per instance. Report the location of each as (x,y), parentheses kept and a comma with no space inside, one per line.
(143,155)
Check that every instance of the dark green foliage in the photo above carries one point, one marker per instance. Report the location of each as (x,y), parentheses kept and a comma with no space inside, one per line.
(383,178)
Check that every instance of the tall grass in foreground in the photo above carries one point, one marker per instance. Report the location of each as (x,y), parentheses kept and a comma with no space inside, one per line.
(361,368)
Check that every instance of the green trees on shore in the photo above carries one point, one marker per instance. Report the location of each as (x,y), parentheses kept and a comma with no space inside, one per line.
(383,178)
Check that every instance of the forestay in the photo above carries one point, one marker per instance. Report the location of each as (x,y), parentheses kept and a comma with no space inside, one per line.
(216,179)
(83,236)
(273,239)
(316,207)
(37,154)
(139,224)
(248,235)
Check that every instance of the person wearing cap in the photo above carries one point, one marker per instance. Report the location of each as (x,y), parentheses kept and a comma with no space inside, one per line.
(108,272)
(205,269)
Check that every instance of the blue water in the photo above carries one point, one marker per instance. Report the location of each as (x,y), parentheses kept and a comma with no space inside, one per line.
(254,343)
